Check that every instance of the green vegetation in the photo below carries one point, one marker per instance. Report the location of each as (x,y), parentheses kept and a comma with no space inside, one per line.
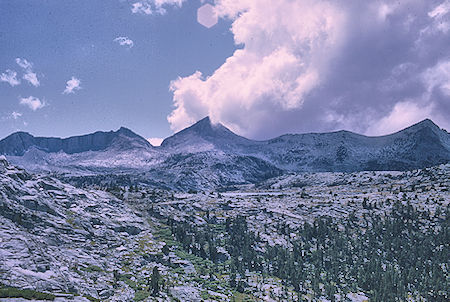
(241,297)
(127,279)
(141,295)
(389,259)
(155,281)
(92,268)
(11,292)
(205,295)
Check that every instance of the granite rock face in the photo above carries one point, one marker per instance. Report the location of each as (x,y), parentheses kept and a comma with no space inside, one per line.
(58,238)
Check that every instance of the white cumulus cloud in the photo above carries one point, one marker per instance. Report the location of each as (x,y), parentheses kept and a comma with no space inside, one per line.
(32,102)
(10,77)
(124,41)
(29,75)
(72,85)
(155,141)
(149,7)
(322,65)
(403,114)
(287,48)
(436,81)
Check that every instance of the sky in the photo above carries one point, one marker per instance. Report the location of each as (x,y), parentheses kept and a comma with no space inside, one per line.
(260,67)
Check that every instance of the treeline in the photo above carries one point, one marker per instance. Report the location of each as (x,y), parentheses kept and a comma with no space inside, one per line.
(391,258)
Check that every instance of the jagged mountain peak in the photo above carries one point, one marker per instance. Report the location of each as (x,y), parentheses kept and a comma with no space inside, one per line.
(130,134)
(205,127)
(204,121)
(425,132)
(206,132)
(209,144)
(126,131)
(426,123)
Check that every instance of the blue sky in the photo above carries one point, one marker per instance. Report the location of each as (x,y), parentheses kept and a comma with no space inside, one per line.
(268,67)
(121,86)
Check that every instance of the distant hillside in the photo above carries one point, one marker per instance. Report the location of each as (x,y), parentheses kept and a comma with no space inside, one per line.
(421,145)
(17,144)
(207,155)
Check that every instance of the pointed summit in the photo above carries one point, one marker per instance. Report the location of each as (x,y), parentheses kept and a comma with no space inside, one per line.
(206,133)
(205,120)
(16,143)
(124,138)
(425,123)
(124,130)
(205,127)
(129,133)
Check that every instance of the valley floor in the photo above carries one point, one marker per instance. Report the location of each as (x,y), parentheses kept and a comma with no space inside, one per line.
(378,236)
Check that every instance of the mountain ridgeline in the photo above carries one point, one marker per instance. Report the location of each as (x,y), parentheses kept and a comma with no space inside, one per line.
(17,144)
(208,155)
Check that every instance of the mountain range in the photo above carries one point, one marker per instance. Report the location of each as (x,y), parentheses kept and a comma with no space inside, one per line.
(207,155)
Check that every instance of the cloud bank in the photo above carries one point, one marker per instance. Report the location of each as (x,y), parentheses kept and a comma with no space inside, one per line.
(312,65)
